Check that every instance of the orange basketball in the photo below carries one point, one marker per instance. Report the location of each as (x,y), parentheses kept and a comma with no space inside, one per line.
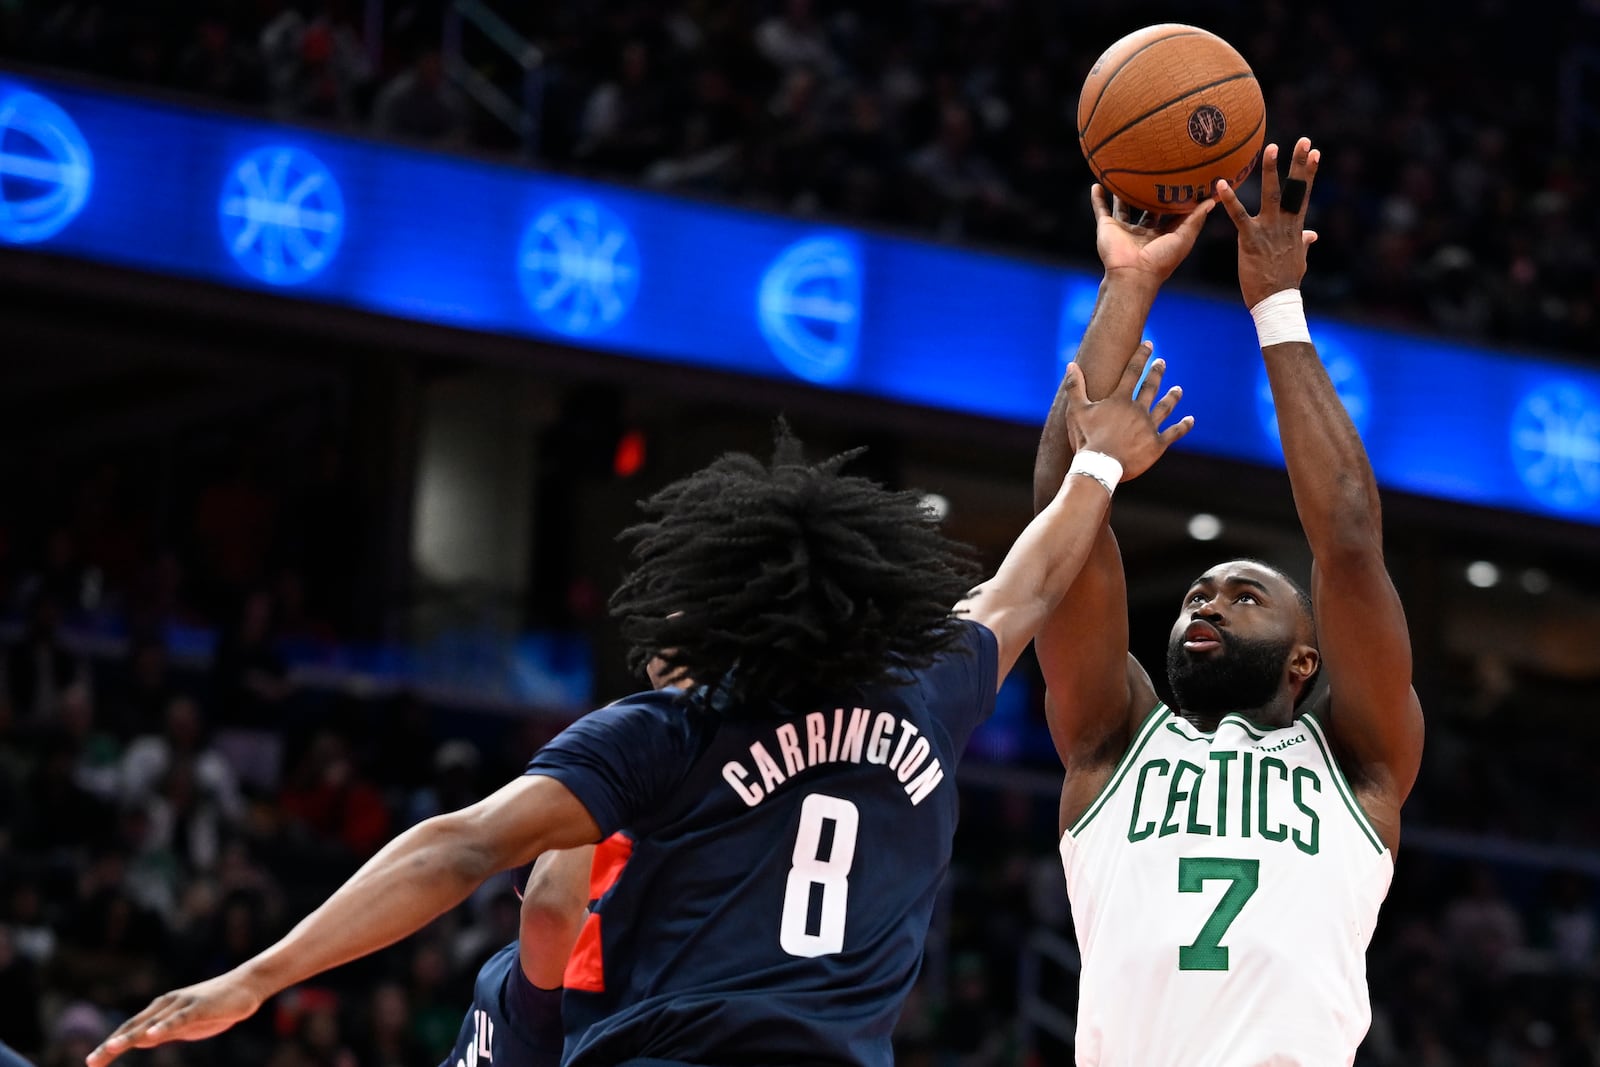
(1167,111)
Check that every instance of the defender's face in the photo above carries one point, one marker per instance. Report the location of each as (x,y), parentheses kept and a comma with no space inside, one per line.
(663,676)
(1230,646)
(657,671)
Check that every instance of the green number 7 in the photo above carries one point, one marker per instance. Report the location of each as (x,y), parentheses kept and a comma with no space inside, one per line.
(1208,953)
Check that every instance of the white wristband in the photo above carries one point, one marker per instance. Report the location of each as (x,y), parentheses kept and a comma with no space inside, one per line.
(1107,470)
(1281,318)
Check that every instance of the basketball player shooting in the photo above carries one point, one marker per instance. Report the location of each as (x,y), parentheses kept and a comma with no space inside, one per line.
(1226,858)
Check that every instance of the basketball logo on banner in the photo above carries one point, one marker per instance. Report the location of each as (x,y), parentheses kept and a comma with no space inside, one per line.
(579,267)
(1349,381)
(46,169)
(809,308)
(1555,445)
(282,215)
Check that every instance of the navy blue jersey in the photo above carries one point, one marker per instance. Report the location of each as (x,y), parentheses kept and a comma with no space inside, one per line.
(513,1023)
(769,901)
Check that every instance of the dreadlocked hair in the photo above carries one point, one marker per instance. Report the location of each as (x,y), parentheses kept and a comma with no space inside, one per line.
(777,585)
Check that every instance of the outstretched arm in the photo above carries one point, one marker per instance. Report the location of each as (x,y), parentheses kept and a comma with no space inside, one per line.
(554,905)
(1095,690)
(412,880)
(1375,719)
(1047,557)
(1138,259)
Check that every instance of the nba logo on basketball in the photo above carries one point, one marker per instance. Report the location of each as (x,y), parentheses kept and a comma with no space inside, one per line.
(1207,125)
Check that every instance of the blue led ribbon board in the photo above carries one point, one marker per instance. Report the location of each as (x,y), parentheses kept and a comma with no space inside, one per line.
(442,239)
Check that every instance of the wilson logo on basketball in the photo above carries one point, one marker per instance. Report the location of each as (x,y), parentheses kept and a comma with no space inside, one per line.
(1207,125)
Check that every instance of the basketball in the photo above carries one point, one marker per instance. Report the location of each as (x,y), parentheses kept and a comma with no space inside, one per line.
(1165,113)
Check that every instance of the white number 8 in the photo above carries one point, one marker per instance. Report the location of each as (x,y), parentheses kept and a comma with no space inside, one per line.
(809,869)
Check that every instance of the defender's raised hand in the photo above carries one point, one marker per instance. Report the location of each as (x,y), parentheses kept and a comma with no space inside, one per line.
(1272,244)
(1150,251)
(1124,425)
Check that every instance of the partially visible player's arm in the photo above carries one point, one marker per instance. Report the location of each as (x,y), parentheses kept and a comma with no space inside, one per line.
(412,880)
(554,905)
(1047,557)
(1095,690)
(1374,716)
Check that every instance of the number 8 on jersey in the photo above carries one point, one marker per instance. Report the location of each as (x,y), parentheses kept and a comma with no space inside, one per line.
(819,863)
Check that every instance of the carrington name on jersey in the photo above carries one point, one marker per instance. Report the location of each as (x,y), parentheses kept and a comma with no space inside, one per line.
(852,736)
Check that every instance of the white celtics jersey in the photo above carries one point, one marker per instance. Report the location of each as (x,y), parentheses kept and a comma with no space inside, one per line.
(1224,888)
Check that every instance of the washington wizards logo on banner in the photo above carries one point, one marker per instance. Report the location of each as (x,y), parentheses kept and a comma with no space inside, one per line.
(809,307)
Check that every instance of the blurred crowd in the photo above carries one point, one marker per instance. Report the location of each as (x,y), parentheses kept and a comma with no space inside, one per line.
(232,532)
(1453,196)
(161,822)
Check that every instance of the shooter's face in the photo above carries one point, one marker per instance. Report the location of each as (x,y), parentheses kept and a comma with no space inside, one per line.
(1237,632)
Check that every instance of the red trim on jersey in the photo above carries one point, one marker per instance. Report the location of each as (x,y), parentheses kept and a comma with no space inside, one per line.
(585,967)
(585,970)
(610,856)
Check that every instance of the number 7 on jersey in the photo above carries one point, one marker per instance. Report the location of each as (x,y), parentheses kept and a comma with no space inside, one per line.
(1207,952)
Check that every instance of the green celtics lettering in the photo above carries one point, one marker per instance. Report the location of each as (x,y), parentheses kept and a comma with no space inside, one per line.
(1228,794)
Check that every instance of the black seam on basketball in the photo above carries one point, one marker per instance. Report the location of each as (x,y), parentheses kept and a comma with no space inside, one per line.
(1113,75)
(1162,107)
(1224,154)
